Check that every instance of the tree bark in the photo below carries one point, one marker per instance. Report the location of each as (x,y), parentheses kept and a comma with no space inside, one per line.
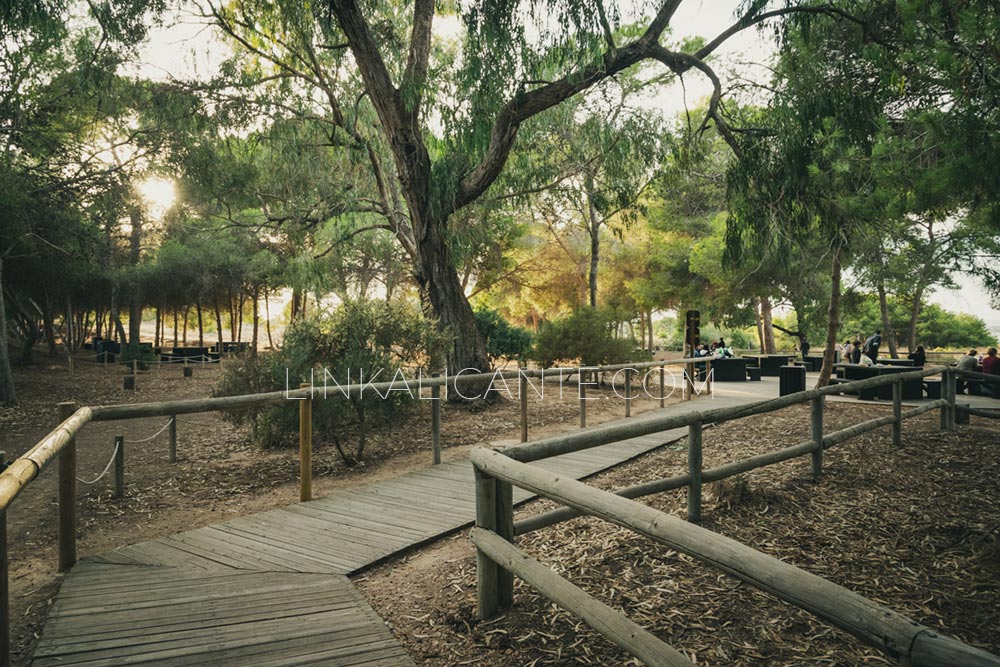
(48,326)
(594,230)
(768,326)
(256,320)
(201,326)
(187,311)
(135,301)
(833,321)
(915,309)
(218,320)
(175,327)
(760,325)
(267,321)
(8,395)
(883,305)
(649,318)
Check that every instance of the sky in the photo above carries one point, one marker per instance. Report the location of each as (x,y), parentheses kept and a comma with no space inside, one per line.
(187,48)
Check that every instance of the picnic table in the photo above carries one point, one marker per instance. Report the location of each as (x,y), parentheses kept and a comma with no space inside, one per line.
(770,364)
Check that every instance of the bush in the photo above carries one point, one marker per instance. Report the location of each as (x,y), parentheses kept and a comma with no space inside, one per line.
(587,336)
(503,341)
(359,337)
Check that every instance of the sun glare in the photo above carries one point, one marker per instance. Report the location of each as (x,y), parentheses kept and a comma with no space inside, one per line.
(159,193)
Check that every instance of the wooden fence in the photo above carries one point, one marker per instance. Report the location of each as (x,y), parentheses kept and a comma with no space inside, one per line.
(59,445)
(498,560)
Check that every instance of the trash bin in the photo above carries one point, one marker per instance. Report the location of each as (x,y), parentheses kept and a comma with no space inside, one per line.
(753,373)
(791,379)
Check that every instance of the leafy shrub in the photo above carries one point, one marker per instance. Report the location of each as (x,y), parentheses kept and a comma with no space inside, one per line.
(359,337)
(503,341)
(586,335)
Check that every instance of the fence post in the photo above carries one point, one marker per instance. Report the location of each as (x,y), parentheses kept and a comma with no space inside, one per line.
(522,395)
(305,446)
(67,495)
(694,470)
(172,430)
(486,568)
(689,382)
(816,434)
(436,421)
(897,412)
(943,423)
(663,385)
(505,529)
(628,392)
(119,466)
(582,386)
(708,375)
(4,584)
(952,392)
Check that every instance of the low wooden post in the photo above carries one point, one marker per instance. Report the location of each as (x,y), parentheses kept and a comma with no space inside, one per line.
(694,470)
(172,447)
(689,382)
(583,400)
(897,412)
(4,583)
(305,447)
(708,375)
(486,568)
(436,422)
(505,529)
(67,495)
(952,381)
(522,395)
(663,386)
(119,466)
(816,434)
(628,392)
(943,423)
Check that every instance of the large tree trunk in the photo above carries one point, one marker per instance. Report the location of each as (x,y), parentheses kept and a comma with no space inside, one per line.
(8,396)
(135,301)
(218,321)
(187,311)
(296,310)
(883,305)
(649,318)
(833,320)
(175,327)
(760,326)
(768,325)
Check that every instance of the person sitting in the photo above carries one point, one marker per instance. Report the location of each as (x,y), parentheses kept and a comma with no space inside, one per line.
(918,356)
(991,366)
(968,362)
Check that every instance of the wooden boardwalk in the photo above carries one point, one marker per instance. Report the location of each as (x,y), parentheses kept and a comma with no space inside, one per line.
(271,589)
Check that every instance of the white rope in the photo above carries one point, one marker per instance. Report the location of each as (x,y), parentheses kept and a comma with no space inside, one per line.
(135,442)
(106,468)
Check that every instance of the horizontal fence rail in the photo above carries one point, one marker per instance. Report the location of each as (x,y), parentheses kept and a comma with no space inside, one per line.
(875,624)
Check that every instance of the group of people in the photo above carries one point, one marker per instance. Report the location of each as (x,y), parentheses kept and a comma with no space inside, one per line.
(972,362)
(717,349)
(865,354)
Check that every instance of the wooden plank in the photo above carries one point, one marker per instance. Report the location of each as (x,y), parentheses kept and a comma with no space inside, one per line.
(293,523)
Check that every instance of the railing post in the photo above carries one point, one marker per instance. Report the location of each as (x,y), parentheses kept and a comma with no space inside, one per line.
(628,392)
(708,375)
(119,466)
(522,395)
(172,430)
(689,382)
(943,423)
(816,434)
(897,412)
(582,386)
(305,447)
(694,470)
(4,584)
(505,529)
(952,391)
(486,568)
(436,422)
(663,385)
(67,495)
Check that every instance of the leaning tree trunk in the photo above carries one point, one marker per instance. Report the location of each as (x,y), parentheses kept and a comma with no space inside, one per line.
(8,396)
(883,305)
(833,322)
(914,317)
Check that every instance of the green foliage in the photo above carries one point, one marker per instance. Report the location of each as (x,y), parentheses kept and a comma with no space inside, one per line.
(503,341)
(936,327)
(361,341)
(588,336)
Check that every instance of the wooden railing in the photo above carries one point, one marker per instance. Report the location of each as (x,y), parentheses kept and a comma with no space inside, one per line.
(498,560)
(60,443)
(994,381)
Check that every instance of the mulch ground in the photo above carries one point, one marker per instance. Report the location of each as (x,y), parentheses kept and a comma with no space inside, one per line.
(916,529)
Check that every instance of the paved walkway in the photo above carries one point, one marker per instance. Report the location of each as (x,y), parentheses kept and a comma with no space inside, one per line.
(272,589)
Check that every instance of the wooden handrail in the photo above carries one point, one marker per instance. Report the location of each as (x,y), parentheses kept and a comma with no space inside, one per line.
(869,621)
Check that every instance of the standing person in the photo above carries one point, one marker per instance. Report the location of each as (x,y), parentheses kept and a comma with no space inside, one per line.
(991,366)
(871,346)
(856,352)
(965,363)
(918,356)
(848,352)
